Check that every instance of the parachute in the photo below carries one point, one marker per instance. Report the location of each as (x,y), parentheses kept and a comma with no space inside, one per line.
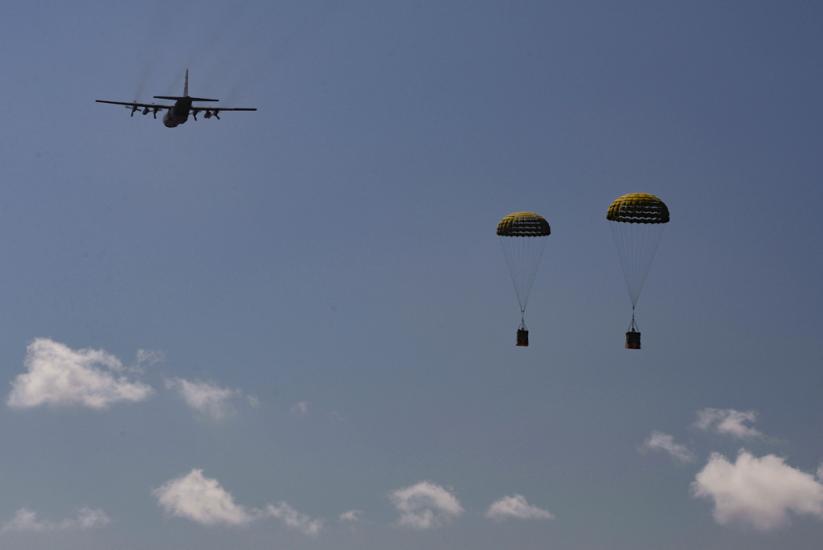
(523,238)
(637,223)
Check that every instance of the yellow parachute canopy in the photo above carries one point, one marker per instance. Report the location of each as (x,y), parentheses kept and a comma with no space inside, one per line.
(523,224)
(638,208)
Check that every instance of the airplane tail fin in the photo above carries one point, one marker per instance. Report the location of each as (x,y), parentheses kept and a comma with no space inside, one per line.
(186,85)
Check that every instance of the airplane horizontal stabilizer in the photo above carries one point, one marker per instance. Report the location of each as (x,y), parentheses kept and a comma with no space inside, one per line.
(175,98)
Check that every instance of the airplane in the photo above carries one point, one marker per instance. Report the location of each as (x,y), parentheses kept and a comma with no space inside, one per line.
(179,112)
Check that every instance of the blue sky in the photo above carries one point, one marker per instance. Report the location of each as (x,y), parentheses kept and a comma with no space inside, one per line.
(233,332)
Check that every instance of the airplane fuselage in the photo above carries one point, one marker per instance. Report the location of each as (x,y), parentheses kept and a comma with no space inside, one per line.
(178,114)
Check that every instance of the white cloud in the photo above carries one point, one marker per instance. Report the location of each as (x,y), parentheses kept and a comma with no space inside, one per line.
(204,501)
(26,520)
(659,441)
(516,507)
(351,516)
(757,491)
(728,422)
(425,505)
(205,398)
(820,472)
(59,375)
(294,519)
(301,408)
(201,500)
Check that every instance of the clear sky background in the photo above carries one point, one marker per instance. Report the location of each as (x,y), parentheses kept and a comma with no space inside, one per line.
(323,282)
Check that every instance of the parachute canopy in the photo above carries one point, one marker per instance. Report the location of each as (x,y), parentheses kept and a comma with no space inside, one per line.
(523,224)
(638,208)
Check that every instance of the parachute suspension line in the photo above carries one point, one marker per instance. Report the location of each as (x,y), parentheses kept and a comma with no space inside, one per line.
(523,256)
(637,246)
(633,325)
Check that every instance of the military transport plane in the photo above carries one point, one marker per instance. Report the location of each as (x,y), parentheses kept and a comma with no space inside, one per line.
(179,112)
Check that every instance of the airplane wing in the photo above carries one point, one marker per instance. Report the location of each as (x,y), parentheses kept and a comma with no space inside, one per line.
(134,106)
(215,111)
(199,109)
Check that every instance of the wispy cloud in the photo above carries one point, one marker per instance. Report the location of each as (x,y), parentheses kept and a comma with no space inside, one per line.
(301,408)
(659,441)
(204,500)
(26,520)
(516,507)
(60,376)
(351,516)
(760,492)
(294,519)
(728,422)
(205,398)
(425,505)
(149,357)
